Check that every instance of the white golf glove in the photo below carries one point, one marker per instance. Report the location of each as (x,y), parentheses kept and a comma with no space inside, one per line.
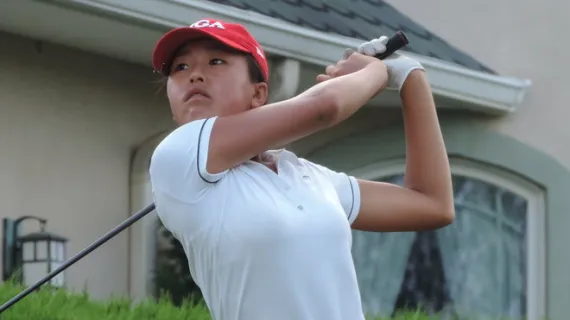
(398,65)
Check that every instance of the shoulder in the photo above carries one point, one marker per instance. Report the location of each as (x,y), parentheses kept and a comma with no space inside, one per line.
(183,136)
(182,144)
(315,168)
(307,166)
(342,181)
(178,162)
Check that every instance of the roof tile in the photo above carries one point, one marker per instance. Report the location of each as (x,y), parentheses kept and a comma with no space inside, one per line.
(362,19)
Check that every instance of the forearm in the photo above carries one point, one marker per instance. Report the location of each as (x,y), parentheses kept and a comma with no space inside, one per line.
(427,165)
(348,93)
(354,90)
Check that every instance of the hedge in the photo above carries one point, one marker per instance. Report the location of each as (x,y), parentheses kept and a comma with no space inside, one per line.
(58,304)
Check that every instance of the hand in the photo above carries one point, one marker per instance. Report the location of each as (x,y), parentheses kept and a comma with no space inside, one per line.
(351,62)
(399,66)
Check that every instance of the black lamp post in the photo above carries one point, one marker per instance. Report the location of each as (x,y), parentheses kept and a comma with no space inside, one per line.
(31,257)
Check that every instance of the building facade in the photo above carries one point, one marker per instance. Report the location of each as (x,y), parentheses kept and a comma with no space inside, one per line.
(82,112)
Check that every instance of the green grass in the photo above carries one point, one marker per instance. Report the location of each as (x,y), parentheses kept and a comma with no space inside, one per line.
(57,304)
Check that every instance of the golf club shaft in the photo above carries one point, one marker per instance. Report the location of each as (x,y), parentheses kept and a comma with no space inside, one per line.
(127,223)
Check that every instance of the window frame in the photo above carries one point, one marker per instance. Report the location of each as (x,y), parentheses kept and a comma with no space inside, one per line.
(536,218)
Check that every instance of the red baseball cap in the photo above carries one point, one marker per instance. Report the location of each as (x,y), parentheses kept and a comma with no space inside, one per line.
(233,35)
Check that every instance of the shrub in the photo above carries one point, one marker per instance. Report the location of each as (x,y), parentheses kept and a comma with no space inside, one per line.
(172,275)
(59,304)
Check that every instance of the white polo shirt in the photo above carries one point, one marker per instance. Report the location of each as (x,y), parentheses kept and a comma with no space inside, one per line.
(260,245)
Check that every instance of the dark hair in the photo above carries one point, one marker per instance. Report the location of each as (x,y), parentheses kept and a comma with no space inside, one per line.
(255,74)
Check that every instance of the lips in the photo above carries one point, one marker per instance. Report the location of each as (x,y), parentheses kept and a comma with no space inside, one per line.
(196,94)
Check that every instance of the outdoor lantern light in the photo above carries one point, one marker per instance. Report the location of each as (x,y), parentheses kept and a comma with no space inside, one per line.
(33,256)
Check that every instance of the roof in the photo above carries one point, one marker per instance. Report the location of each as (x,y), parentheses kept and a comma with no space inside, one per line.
(361,19)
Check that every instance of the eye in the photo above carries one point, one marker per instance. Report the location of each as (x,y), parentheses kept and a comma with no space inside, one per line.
(217,61)
(179,66)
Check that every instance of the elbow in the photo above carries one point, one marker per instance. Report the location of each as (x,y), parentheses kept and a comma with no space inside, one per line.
(443,209)
(441,213)
(446,215)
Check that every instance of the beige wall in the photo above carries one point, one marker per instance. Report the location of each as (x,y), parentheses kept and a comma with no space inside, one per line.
(69,123)
(516,38)
(78,118)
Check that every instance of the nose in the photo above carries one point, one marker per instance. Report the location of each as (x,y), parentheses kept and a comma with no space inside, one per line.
(196,76)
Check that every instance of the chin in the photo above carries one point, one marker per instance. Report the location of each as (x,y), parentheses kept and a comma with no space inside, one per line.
(180,121)
(197,114)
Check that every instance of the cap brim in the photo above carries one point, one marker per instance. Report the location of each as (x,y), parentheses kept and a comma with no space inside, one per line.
(174,39)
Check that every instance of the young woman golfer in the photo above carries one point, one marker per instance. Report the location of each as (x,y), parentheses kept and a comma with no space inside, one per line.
(268,234)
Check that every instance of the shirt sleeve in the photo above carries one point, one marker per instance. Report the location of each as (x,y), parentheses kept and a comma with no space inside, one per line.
(178,164)
(347,190)
(181,185)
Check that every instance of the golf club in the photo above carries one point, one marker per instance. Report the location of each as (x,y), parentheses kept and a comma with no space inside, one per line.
(397,41)
(127,223)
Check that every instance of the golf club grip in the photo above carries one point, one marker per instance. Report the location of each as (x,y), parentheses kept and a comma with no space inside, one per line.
(127,223)
(396,42)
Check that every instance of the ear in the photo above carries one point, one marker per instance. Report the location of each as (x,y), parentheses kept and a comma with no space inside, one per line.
(260,95)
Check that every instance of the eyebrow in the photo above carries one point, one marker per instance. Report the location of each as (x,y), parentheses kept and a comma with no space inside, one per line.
(213,46)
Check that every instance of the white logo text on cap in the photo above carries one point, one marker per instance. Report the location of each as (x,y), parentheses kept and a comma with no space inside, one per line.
(207,24)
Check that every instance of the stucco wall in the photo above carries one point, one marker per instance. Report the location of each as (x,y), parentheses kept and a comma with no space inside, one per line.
(516,38)
(69,122)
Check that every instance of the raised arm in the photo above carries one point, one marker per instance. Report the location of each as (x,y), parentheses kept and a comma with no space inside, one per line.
(349,85)
(426,199)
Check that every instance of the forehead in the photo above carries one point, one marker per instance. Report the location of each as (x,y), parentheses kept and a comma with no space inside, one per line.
(204,44)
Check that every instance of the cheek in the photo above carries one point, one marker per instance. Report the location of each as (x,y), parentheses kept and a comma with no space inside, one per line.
(242,90)
(174,96)
(173,91)
(231,96)
(241,98)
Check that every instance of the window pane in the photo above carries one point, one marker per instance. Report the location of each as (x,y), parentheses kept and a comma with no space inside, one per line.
(380,260)
(477,265)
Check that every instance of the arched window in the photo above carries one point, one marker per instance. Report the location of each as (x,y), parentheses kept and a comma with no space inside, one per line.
(490,261)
